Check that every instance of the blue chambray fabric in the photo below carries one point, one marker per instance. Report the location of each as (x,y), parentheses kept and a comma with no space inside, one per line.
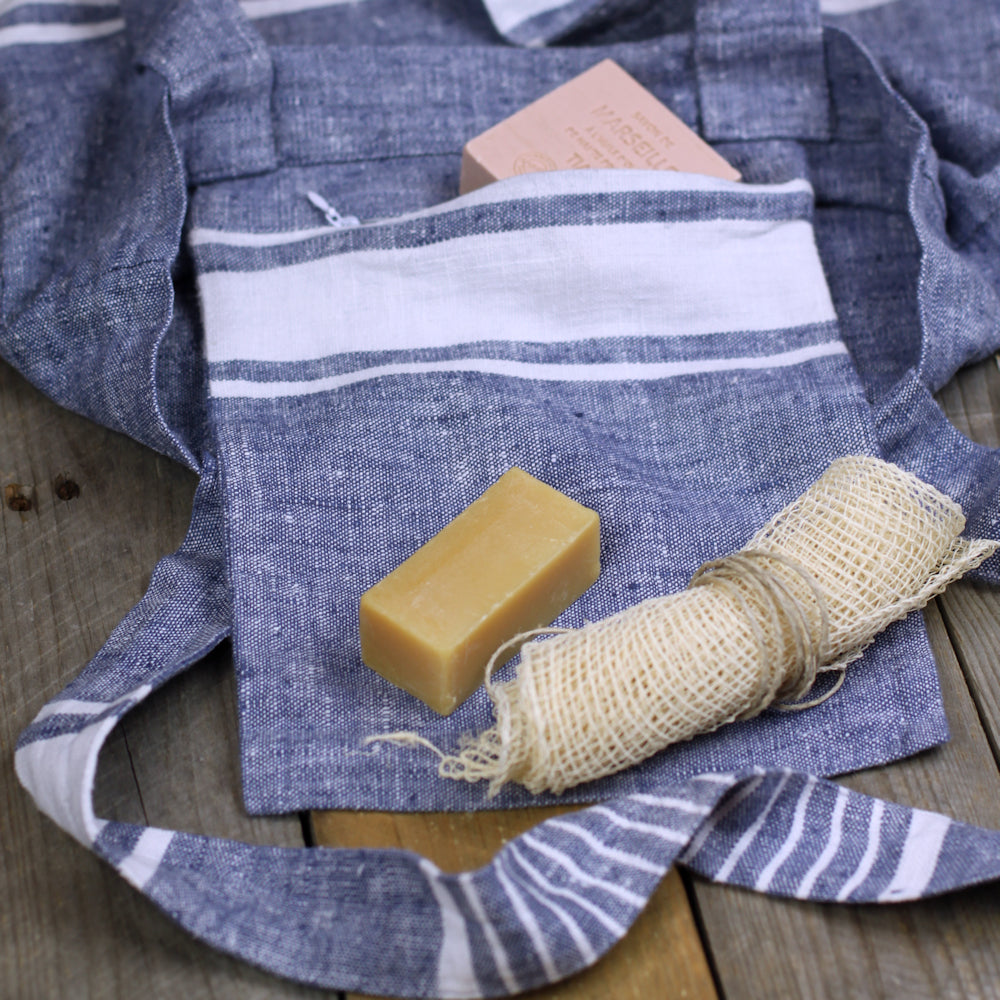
(188,136)
(943,65)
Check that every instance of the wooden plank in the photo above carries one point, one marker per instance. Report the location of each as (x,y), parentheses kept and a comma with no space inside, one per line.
(944,948)
(971,401)
(661,956)
(70,926)
(972,613)
(972,616)
(183,753)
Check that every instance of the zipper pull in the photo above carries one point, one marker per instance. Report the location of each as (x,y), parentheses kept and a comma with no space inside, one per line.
(332,216)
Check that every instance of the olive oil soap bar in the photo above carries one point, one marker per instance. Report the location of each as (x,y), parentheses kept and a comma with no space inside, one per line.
(513,560)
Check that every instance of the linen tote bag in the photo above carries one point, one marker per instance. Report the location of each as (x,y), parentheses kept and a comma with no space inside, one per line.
(683,355)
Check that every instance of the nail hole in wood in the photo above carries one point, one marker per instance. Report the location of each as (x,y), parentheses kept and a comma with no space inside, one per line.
(66,488)
(17,497)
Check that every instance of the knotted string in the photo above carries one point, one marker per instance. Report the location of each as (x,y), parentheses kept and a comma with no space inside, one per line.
(752,582)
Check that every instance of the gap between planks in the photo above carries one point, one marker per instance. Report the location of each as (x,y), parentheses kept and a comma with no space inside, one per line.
(943,949)
(70,926)
(937,929)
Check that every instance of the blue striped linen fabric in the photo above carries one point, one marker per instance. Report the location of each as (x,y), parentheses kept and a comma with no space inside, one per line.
(867,228)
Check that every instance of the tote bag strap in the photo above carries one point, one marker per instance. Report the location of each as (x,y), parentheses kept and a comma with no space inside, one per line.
(219,77)
(958,307)
(389,922)
(759,66)
(761,73)
(760,70)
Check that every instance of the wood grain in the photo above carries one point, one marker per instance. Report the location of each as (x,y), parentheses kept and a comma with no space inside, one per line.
(69,925)
(972,616)
(762,946)
(971,401)
(971,612)
(661,956)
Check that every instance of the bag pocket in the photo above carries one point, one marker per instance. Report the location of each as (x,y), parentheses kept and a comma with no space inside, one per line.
(662,347)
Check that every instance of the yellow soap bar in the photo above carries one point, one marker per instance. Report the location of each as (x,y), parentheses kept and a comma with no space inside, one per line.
(511,561)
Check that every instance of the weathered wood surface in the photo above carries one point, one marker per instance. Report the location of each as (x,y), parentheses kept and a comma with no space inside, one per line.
(945,948)
(949,947)
(760,946)
(971,613)
(71,927)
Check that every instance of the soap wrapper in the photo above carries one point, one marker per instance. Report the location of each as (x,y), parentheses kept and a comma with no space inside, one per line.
(602,118)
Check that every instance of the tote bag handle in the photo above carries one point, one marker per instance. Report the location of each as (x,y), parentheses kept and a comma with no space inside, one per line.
(769,54)
(761,73)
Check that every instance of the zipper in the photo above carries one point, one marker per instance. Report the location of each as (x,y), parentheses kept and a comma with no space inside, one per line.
(333,218)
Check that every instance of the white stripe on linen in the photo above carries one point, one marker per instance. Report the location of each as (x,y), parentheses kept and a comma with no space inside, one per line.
(59,771)
(618,372)
(555,182)
(924,840)
(716,779)
(748,837)
(654,830)
(56,34)
(500,959)
(829,851)
(605,920)
(59,774)
(6,6)
(580,939)
(204,237)
(456,975)
(850,6)
(542,285)
(72,706)
(791,841)
(871,852)
(579,875)
(528,921)
(713,821)
(75,706)
(665,802)
(507,14)
(272,8)
(613,853)
(252,8)
(140,866)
